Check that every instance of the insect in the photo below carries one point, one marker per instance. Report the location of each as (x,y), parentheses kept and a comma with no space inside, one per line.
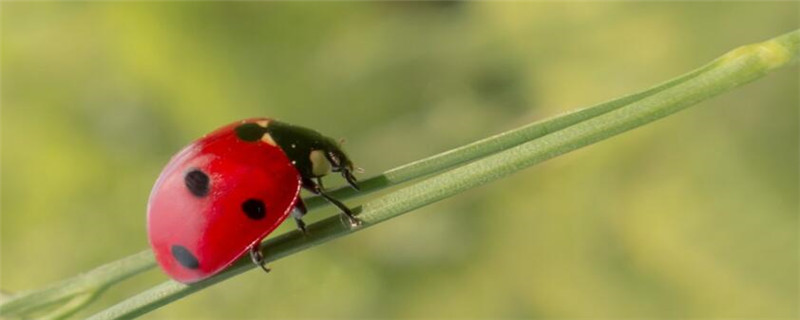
(223,193)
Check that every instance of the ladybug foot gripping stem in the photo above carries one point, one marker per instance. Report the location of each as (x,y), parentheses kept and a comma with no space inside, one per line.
(297,213)
(316,188)
(258,257)
(301,225)
(350,220)
(346,212)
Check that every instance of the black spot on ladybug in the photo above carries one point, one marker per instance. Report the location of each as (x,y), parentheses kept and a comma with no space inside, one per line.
(250,132)
(254,209)
(197,182)
(185,257)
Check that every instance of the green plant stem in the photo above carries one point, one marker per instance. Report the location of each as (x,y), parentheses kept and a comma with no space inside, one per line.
(74,305)
(733,69)
(82,285)
(493,144)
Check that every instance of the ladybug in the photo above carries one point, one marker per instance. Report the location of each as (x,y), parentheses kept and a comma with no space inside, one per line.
(223,193)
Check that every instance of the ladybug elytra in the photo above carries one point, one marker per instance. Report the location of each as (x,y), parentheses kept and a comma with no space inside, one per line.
(223,193)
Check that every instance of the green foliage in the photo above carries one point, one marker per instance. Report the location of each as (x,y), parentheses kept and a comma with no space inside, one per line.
(625,247)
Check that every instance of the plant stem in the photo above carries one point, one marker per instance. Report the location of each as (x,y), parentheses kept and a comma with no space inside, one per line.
(85,284)
(733,69)
(493,144)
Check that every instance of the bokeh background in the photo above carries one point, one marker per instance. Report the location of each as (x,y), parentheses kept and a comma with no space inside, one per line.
(693,216)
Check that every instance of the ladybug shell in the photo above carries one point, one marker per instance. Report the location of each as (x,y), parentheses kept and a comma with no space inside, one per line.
(215,199)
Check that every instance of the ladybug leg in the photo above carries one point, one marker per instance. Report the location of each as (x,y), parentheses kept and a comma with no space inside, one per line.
(319,183)
(258,257)
(315,188)
(297,213)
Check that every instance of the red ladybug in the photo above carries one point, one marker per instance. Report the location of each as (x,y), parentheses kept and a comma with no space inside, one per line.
(222,194)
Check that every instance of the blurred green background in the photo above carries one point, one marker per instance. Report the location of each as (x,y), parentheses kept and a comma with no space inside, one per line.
(692,216)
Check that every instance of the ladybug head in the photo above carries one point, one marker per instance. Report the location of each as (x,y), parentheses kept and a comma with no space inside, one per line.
(313,154)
